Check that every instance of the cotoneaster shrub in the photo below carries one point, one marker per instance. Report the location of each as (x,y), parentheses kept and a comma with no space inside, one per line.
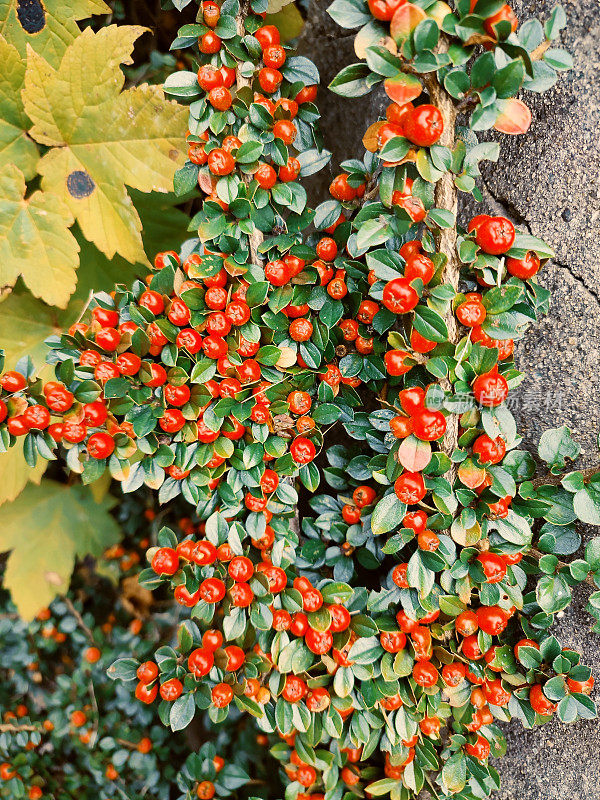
(373,567)
(67,730)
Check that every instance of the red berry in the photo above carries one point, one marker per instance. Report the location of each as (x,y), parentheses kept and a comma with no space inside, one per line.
(424,125)
(220,162)
(128,364)
(490,451)
(147,672)
(341,190)
(36,417)
(493,565)
(153,301)
(267,36)
(269,79)
(220,97)
(170,690)
(480,750)
(285,130)
(327,248)
(209,77)
(505,14)
(420,266)
(425,674)
(399,296)
(147,694)
(410,488)
(176,395)
(222,695)
(265,176)
(492,619)
(495,235)
(235,657)
(100,445)
(17,426)
(384,9)
(471,313)
(525,267)
(302,450)
(209,43)
(396,362)
(453,674)
(428,425)
(212,590)
(294,689)
(108,339)
(318,642)
(12,382)
(490,389)
(165,561)
(277,272)
(392,641)
(539,701)
(200,661)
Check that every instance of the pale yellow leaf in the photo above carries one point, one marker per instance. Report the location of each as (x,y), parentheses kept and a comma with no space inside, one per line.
(287,19)
(103,139)
(276,5)
(24,325)
(15,472)
(45,529)
(15,146)
(35,240)
(49,26)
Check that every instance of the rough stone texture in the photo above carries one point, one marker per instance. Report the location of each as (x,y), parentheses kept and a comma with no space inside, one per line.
(548,182)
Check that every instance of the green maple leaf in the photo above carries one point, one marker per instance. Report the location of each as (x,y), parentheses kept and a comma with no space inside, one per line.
(35,240)
(48,26)
(15,146)
(103,139)
(46,528)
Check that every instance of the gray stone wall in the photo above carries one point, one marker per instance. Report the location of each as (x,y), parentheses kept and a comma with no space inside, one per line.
(549,183)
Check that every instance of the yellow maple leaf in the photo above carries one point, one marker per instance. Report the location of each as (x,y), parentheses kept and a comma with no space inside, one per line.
(35,240)
(15,146)
(103,139)
(48,26)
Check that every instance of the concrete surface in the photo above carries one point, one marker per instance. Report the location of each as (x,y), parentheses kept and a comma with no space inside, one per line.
(548,182)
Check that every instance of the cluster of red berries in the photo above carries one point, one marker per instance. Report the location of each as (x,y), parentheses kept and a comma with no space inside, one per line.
(218,82)
(391,11)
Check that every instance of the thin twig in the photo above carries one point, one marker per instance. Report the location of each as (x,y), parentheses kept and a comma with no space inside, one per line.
(537,554)
(10,728)
(549,479)
(79,618)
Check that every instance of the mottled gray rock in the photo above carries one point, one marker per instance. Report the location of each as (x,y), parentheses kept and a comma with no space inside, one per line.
(548,182)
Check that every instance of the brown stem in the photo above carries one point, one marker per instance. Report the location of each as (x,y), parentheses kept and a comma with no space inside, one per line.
(255,239)
(446,197)
(69,603)
(8,728)
(537,554)
(539,51)
(554,480)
